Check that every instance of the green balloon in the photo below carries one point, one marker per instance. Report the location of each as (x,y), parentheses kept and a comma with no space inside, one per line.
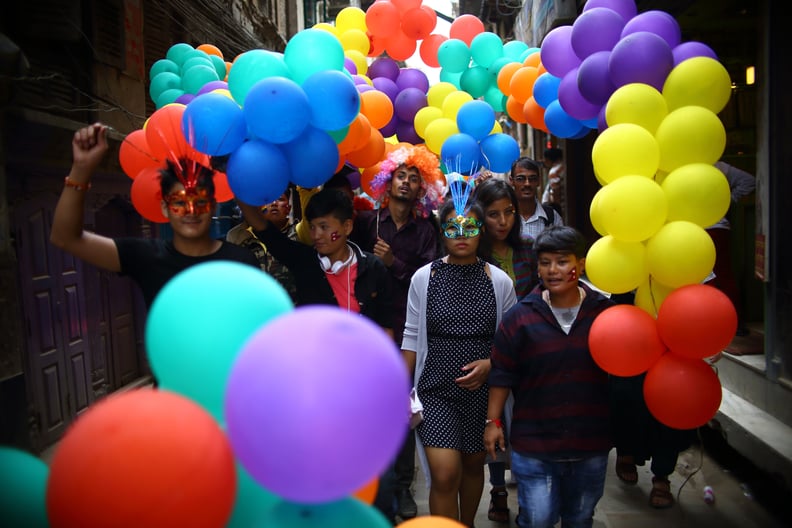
(167,97)
(177,52)
(311,51)
(164,81)
(251,67)
(485,48)
(252,503)
(453,56)
(23,479)
(498,64)
(475,81)
(196,61)
(337,514)
(163,65)
(495,98)
(339,135)
(451,77)
(197,76)
(219,66)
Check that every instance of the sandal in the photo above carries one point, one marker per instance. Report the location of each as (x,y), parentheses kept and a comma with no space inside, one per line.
(498,508)
(661,497)
(626,470)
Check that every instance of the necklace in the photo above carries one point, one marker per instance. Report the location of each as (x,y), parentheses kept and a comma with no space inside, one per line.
(564,316)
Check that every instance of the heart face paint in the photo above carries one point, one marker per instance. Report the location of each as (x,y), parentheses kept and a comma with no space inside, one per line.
(334,236)
(572,275)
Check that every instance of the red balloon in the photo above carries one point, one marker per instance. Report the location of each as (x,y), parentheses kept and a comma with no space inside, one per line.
(380,17)
(429,47)
(399,46)
(135,154)
(682,393)
(697,321)
(376,44)
(418,23)
(223,192)
(465,27)
(164,132)
(406,5)
(624,341)
(147,195)
(142,458)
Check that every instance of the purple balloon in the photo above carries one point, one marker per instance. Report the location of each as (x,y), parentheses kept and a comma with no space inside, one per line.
(602,123)
(641,57)
(364,87)
(405,131)
(384,67)
(212,85)
(391,128)
(412,78)
(593,80)
(557,54)
(322,409)
(350,66)
(626,8)
(184,98)
(408,102)
(572,101)
(386,86)
(657,22)
(690,49)
(359,79)
(596,30)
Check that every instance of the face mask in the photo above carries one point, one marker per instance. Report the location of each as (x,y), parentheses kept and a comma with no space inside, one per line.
(462,227)
(182,203)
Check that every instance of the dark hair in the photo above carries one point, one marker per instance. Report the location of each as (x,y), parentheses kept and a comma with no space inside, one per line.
(168,177)
(448,207)
(339,180)
(554,154)
(329,202)
(561,239)
(525,163)
(485,195)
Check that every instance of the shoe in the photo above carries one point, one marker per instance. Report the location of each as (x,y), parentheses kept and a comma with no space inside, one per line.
(626,470)
(498,508)
(661,497)
(407,507)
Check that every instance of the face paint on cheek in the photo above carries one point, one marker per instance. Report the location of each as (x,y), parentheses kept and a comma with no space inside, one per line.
(334,236)
(572,275)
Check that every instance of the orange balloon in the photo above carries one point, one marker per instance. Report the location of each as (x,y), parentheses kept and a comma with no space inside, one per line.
(522,82)
(377,107)
(682,393)
(533,59)
(431,521)
(358,135)
(368,175)
(134,154)
(540,69)
(534,114)
(371,153)
(368,492)
(210,49)
(624,341)
(164,133)
(504,77)
(162,461)
(515,109)
(146,195)
(228,69)
(399,46)
(465,27)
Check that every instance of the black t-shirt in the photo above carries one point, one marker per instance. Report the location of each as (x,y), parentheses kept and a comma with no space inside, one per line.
(153,262)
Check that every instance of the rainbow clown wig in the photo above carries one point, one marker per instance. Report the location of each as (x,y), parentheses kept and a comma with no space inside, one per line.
(432,179)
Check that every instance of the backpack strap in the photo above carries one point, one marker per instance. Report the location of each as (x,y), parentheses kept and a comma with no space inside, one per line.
(550,212)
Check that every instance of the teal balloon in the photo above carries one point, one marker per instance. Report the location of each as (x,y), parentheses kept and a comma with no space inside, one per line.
(167,97)
(453,56)
(177,53)
(192,347)
(495,98)
(475,81)
(23,481)
(194,78)
(337,514)
(451,77)
(252,504)
(310,51)
(219,66)
(339,135)
(164,81)
(250,68)
(527,53)
(196,61)
(514,49)
(485,48)
(498,64)
(163,65)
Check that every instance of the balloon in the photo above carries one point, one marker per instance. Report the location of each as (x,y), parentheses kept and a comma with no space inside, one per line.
(178,52)
(438,131)
(650,296)
(412,78)
(210,49)
(247,177)
(522,82)
(634,208)
(350,18)
(336,514)
(163,65)
(453,102)
(641,57)
(152,443)
(465,28)
(593,79)
(485,48)
(429,48)
(355,62)
(408,102)
(438,92)
(499,151)
(214,124)
(616,266)
(596,214)
(384,67)
(392,126)
(372,151)
(626,8)
(164,134)
(597,29)
(698,193)
(495,98)
(534,114)
(697,321)
(460,153)
(418,23)
(559,122)
(453,55)
(197,76)
(658,22)
(377,107)
(380,17)
(23,479)
(699,81)
(310,51)
(691,134)
(251,67)
(252,503)
(164,81)
(400,47)
(545,89)
(368,492)
(357,136)
(355,40)
(211,86)
(514,49)
(386,86)
(475,118)
(146,195)
(199,59)
(625,149)
(134,155)
(333,410)
(690,49)
(423,117)
(431,521)
(572,101)
(515,110)
(624,340)
(333,87)
(680,253)
(505,75)
(637,103)
(453,78)
(168,97)
(557,54)
(682,393)
(475,81)
(319,166)
(277,100)
(405,133)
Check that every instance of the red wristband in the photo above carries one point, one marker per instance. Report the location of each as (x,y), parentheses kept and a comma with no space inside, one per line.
(496,421)
(76,186)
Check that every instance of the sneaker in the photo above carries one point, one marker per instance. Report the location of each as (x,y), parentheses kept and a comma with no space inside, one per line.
(407,507)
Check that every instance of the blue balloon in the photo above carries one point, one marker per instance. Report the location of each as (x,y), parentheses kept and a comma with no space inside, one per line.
(559,123)
(334,100)
(312,157)
(258,172)
(499,151)
(476,118)
(277,110)
(460,153)
(545,89)
(214,124)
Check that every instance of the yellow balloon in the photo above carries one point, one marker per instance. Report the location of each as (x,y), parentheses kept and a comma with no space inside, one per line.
(223,91)
(633,208)
(324,26)
(596,214)
(636,103)
(367,79)
(351,18)
(616,266)
(680,253)
(625,149)
(438,92)
(698,193)
(691,134)
(438,131)
(359,59)
(699,81)
(423,117)
(354,39)
(650,296)
(496,128)
(453,102)
(393,140)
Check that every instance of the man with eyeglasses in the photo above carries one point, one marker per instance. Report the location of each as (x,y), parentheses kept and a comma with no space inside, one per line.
(534,217)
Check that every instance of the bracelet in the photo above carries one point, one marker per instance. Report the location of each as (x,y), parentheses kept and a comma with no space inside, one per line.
(68,182)
(496,421)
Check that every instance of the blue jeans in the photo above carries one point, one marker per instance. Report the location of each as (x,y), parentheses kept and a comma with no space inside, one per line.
(548,490)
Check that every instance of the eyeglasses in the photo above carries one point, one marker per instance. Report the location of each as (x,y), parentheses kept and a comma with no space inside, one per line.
(182,203)
(462,227)
(533,178)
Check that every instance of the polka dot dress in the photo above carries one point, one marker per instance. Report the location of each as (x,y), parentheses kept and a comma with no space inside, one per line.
(460,322)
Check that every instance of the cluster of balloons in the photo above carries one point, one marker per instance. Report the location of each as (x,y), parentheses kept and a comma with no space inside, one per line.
(184,71)
(396,26)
